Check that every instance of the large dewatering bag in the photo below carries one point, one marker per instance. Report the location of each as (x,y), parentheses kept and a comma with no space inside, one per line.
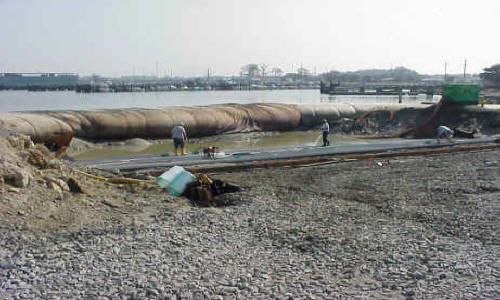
(153,123)
(130,123)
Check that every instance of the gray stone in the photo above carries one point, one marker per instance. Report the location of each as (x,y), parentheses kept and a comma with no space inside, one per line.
(13,190)
(14,175)
(418,275)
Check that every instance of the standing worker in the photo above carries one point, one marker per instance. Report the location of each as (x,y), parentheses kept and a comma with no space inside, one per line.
(179,136)
(326,129)
(444,132)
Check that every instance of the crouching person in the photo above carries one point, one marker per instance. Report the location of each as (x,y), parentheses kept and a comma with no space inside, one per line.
(444,132)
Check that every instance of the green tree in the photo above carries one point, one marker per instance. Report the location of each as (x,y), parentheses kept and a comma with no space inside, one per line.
(250,70)
(277,71)
(263,69)
(303,72)
(332,76)
(491,76)
(403,74)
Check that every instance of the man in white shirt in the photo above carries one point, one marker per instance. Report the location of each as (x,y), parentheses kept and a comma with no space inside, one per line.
(179,136)
(326,129)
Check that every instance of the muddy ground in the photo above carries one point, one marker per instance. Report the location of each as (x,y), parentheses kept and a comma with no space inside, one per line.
(405,228)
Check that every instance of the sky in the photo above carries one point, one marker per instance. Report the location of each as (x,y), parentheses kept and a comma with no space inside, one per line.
(190,37)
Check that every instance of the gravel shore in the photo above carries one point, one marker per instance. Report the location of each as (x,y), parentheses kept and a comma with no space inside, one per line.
(404,228)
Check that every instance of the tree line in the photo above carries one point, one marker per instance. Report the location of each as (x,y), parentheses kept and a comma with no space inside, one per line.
(490,76)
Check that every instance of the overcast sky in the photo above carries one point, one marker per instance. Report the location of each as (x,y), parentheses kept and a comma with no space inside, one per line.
(187,37)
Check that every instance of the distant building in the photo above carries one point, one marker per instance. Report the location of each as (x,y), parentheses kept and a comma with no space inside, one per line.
(26,80)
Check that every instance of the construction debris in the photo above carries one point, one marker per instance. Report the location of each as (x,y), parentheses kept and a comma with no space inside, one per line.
(74,186)
(464,134)
(38,159)
(205,191)
(51,181)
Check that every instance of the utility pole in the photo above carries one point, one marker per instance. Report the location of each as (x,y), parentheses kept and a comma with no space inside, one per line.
(445,67)
(465,67)
(208,76)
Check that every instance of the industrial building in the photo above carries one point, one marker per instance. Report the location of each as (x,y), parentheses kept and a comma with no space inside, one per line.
(38,80)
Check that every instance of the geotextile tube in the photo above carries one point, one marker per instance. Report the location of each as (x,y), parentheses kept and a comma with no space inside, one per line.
(127,123)
(153,123)
(39,127)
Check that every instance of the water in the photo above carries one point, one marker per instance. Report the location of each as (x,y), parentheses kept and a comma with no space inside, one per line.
(24,100)
(225,142)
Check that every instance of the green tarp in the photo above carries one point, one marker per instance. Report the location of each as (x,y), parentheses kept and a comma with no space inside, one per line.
(461,93)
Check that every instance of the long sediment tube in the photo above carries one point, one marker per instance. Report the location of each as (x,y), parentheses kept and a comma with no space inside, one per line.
(109,124)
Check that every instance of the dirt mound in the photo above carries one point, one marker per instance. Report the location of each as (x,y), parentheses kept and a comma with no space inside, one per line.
(79,145)
(424,122)
(41,192)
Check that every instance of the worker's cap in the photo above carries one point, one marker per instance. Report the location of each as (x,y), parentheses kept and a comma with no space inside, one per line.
(180,124)
(324,120)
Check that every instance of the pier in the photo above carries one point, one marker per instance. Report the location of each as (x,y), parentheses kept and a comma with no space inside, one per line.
(38,81)
(369,89)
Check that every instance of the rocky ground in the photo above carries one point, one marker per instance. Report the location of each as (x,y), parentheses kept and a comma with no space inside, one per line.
(404,228)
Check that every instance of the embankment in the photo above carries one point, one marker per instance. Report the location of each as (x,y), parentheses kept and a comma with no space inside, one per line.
(112,124)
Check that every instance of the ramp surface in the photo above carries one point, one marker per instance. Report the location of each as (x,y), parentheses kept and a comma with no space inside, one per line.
(131,163)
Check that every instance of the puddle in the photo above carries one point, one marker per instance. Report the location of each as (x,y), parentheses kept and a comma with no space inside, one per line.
(233,142)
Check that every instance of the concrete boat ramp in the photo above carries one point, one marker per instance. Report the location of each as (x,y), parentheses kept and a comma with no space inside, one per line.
(141,162)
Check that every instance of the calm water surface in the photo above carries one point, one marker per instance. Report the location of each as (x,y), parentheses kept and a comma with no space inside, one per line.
(24,100)
(232,142)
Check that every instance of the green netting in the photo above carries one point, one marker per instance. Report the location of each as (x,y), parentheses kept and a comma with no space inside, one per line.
(461,93)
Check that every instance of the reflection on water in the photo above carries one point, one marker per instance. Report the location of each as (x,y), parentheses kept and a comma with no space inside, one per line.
(235,142)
